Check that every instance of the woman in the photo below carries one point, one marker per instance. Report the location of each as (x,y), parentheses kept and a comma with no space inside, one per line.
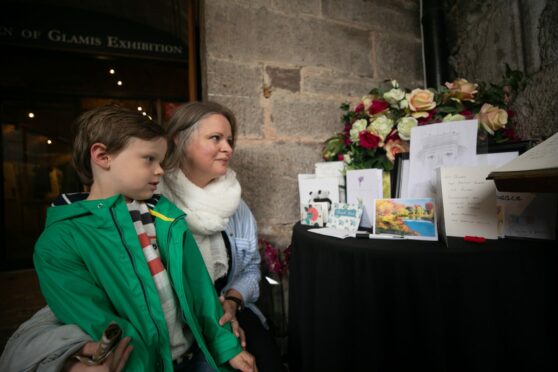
(201,138)
(198,180)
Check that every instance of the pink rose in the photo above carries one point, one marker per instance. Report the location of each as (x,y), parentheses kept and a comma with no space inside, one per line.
(492,118)
(462,90)
(369,140)
(395,147)
(421,100)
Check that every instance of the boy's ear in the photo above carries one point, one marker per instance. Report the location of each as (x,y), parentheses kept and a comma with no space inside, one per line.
(100,156)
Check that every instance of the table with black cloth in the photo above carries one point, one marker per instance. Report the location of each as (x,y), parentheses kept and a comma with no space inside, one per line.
(400,305)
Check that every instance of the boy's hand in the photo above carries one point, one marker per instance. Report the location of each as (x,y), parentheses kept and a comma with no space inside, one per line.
(114,363)
(244,362)
(229,309)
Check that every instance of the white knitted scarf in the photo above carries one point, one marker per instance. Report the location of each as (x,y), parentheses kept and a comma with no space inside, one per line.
(207,213)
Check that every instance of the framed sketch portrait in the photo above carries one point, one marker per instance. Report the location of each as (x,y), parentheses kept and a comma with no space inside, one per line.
(494,154)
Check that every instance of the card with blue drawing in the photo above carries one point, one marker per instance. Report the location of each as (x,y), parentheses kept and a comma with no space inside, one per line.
(345,216)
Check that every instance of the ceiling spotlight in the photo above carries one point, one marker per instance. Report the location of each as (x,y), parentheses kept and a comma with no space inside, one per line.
(49,141)
(140,108)
(112,71)
(31,115)
(119,83)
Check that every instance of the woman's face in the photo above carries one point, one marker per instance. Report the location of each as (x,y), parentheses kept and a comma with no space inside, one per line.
(208,151)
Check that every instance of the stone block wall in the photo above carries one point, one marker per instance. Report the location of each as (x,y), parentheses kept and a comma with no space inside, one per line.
(284,67)
(484,35)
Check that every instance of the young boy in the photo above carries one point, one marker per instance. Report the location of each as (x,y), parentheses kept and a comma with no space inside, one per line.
(118,257)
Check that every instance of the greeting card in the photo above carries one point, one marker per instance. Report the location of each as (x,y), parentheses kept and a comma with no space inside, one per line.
(468,202)
(363,187)
(405,218)
(310,188)
(345,216)
(314,214)
(332,169)
(528,215)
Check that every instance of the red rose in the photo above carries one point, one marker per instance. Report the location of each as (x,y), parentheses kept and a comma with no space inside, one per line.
(377,106)
(425,120)
(468,114)
(368,140)
(393,136)
(509,133)
(359,107)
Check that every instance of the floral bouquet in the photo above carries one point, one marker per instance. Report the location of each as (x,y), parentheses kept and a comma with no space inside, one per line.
(275,259)
(379,126)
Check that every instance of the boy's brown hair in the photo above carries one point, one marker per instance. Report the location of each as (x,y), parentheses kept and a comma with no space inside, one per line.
(113,126)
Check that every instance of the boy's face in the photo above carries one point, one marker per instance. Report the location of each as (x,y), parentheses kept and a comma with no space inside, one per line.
(136,170)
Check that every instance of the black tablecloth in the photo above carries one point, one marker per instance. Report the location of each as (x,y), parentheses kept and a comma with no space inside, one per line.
(392,305)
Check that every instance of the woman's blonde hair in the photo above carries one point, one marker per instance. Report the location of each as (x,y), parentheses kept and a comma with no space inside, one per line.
(184,122)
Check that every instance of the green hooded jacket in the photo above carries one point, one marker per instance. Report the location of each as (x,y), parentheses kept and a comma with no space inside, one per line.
(92,271)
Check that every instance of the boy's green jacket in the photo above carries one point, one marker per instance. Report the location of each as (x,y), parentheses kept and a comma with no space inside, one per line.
(92,271)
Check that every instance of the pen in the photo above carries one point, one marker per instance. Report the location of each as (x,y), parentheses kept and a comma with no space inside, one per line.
(372,236)
(360,235)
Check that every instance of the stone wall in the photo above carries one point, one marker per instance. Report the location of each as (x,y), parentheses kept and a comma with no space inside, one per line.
(484,35)
(284,67)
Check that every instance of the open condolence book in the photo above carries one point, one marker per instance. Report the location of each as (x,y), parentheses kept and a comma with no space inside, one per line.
(535,170)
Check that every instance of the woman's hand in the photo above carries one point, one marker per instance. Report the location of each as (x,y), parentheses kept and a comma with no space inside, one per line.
(244,362)
(229,315)
(114,363)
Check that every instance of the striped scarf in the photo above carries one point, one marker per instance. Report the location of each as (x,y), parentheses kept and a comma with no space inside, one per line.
(145,228)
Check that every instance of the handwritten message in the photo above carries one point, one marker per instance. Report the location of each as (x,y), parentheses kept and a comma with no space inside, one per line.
(469,202)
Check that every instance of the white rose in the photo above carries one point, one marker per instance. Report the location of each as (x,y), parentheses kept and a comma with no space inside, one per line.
(393,96)
(367,101)
(358,126)
(403,104)
(404,127)
(347,158)
(382,125)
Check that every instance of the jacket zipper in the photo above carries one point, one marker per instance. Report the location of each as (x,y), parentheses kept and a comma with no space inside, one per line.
(137,275)
(169,239)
